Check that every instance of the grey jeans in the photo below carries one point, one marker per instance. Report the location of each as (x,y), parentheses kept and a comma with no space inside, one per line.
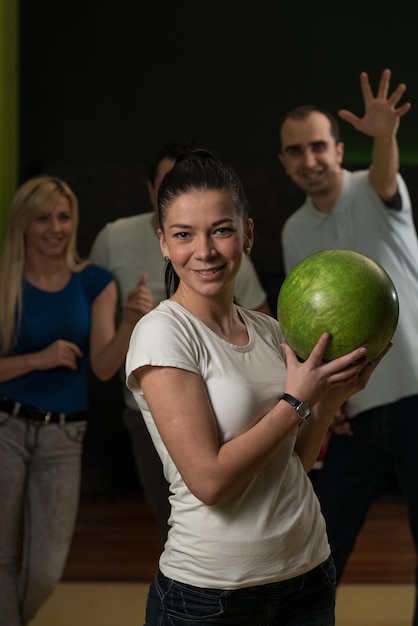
(40,468)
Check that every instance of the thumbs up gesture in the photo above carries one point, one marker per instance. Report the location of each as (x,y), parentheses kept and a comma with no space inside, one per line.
(139,301)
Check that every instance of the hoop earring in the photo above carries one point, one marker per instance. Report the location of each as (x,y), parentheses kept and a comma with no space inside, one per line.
(248,250)
(167,259)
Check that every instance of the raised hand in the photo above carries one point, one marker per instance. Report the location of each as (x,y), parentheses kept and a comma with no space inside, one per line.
(139,301)
(381,117)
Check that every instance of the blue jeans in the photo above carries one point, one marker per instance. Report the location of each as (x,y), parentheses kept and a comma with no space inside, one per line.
(384,443)
(306,600)
(39,492)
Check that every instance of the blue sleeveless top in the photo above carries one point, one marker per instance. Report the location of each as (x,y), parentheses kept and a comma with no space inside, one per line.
(46,317)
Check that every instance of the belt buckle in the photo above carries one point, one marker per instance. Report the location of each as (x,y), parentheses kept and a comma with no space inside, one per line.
(47,418)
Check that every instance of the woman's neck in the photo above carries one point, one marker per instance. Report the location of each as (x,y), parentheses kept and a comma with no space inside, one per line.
(219,313)
(47,274)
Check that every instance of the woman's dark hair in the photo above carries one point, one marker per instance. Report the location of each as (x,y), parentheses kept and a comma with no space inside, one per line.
(196,170)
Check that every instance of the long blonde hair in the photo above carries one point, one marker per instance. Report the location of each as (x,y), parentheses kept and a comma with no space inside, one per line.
(32,198)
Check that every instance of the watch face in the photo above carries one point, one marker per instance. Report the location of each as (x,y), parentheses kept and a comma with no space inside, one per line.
(304,410)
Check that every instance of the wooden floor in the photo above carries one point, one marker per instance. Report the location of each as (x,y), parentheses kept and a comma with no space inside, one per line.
(120,604)
(116,540)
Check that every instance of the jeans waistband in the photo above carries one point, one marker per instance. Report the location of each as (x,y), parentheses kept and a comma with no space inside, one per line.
(17,409)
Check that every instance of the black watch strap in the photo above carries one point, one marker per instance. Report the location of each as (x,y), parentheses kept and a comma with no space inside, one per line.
(302,408)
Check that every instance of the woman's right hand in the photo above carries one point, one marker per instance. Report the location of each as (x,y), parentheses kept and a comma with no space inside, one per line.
(61,353)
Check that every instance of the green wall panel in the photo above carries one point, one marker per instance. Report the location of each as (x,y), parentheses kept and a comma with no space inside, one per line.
(9,106)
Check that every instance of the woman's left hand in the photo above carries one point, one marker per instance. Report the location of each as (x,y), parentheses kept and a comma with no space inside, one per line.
(332,381)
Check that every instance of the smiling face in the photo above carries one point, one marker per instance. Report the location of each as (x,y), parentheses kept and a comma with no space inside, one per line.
(310,154)
(49,234)
(204,237)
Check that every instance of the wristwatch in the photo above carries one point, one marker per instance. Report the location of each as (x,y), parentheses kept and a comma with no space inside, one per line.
(302,408)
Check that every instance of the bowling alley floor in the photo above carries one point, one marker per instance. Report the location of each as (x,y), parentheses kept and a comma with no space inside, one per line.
(115,552)
(122,604)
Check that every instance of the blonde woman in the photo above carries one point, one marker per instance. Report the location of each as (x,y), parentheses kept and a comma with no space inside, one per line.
(56,316)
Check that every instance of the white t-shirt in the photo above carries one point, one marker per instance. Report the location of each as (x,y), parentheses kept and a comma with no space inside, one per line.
(129,248)
(361,221)
(272,529)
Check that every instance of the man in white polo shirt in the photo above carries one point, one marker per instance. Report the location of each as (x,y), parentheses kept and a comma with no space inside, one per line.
(370,212)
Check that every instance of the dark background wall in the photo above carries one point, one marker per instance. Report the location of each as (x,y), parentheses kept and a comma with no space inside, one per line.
(104,83)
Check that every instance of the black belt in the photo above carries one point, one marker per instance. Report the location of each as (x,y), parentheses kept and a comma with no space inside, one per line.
(16,409)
